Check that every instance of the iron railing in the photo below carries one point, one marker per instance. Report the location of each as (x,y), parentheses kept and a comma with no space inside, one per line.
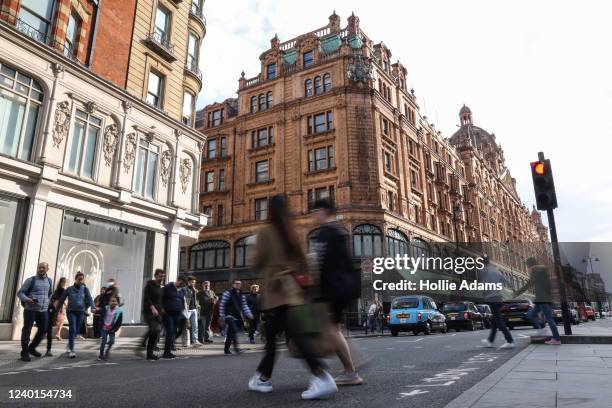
(193,69)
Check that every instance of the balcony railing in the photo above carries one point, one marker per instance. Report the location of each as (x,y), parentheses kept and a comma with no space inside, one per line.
(196,11)
(193,69)
(65,48)
(160,42)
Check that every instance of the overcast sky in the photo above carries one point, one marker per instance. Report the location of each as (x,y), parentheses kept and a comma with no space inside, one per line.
(538,74)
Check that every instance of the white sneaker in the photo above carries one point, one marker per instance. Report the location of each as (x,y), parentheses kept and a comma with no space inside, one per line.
(487,343)
(507,346)
(71,354)
(320,387)
(196,343)
(256,384)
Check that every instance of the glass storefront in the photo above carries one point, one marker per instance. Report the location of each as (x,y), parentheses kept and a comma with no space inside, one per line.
(102,250)
(12,222)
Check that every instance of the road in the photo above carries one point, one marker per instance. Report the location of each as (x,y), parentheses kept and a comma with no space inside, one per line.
(403,371)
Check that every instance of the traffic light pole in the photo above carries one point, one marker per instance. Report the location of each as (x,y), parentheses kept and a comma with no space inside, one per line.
(567,326)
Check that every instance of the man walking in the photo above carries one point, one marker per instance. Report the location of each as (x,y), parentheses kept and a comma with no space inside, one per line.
(207,299)
(173,304)
(253,303)
(191,303)
(231,306)
(339,282)
(490,274)
(34,295)
(152,307)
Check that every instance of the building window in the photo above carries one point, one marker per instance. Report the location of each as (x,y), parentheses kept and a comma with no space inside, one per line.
(327,82)
(211,149)
(413,179)
(417,214)
(253,104)
(307,59)
(37,14)
(162,25)
(188,107)
(223,146)
(209,255)
(367,241)
(217,117)
(72,35)
(387,160)
(154,89)
(419,248)
(390,200)
(209,180)
(219,214)
(221,179)
(261,209)
(385,123)
(432,221)
(269,100)
(20,103)
(207,211)
(397,243)
(82,157)
(262,137)
(243,249)
(262,102)
(318,87)
(262,171)
(146,169)
(308,88)
(271,71)
(192,51)
(411,148)
(321,158)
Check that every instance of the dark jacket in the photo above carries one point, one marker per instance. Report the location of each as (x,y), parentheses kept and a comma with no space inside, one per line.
(338,279)
(253,301)
(152,296)
(172,299)
(191,301)
(109,293)
(233,304)
(79,298)
(206,299)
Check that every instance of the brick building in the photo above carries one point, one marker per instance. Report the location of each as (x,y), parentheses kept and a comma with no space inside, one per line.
(99,170)
(330,115)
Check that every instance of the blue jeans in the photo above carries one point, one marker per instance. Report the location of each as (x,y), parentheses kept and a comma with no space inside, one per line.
(372,323)
(546,309)
(75,320)
(103,339)
(42,323)
(171,323)
(231,324)
(497,322)
(193,321)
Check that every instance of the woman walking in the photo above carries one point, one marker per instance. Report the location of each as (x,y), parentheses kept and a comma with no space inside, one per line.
(279,255)
(79,300)
(56,315)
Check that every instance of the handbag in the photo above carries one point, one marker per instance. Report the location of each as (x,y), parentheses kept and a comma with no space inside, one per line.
(302,276)
(311,322)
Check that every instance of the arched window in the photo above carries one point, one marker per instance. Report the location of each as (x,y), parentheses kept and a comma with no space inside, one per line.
(209,255)
(397,243)
(312,235)
(253,104)
(243,251)
(262,102)
(419,248)
(308,88)
(327,82)
(269,100)
(317,85)
(20,103)
(367,241)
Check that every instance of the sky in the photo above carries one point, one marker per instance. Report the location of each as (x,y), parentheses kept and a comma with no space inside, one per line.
(538,74)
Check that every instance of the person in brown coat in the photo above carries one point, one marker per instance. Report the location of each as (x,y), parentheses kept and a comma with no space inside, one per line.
(280,257)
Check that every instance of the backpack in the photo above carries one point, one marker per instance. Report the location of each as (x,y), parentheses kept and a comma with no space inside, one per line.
(31,286)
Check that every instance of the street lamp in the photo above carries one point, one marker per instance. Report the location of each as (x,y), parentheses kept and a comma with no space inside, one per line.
(589,261)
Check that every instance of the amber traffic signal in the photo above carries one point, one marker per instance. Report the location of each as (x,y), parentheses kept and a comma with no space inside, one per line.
(543,185)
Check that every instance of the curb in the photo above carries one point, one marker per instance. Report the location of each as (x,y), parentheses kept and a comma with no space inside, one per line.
(577,339)
(471,396)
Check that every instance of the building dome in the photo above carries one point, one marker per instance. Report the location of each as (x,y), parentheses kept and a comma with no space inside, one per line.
(465,110)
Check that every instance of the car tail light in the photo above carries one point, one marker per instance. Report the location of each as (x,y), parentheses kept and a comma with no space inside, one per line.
(526,308)
(419,315)
(466,315)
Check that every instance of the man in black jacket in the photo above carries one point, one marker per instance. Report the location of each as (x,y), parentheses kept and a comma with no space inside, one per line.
(339,282)
(206,299)
(173,304)
(152,307)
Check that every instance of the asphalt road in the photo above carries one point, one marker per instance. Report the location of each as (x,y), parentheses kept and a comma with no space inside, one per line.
(404,371)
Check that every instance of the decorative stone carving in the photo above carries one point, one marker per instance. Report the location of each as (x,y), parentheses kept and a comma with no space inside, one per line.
(126,105)
(166,164)
(57,68)
(111,140)
(185,173)
(130,151)
(90,107)
(359,71)
(61,123)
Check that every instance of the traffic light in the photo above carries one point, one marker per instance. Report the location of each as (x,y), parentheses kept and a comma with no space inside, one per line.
(543,185)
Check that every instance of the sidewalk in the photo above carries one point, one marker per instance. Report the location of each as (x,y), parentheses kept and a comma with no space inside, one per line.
(570,375)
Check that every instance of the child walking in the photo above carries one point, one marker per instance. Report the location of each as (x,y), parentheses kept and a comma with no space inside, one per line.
(113,317)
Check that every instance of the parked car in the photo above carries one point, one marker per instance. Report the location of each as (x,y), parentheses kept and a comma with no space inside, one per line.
(487,315)
(558,314)
(416,314)
(462,315)
(590,313)
(514,312)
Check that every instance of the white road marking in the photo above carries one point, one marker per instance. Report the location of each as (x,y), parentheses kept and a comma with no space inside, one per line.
(411,393)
